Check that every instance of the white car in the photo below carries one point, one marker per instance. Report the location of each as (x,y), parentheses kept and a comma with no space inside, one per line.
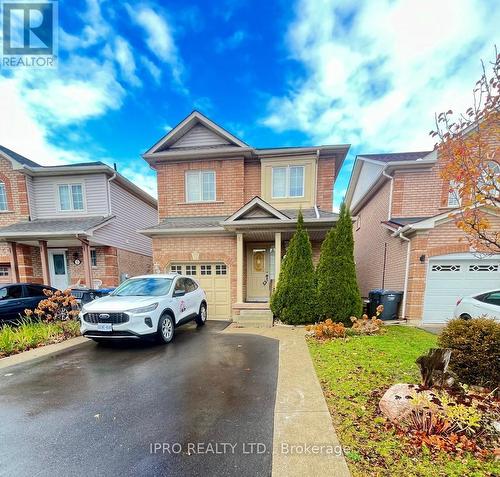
(145,306)
(482,304)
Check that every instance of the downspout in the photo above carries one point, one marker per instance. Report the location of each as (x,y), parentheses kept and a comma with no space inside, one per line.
(316,186)
(405,288)
(389,212)
(112,178)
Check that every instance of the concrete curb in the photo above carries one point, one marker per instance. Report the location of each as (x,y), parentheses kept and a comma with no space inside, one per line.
(37,353)
(301,416)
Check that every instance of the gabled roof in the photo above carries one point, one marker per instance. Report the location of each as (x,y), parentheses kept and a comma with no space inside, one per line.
(196,131)
(256,208)
(370,172)
(396,156)
(17,157)
(54,227)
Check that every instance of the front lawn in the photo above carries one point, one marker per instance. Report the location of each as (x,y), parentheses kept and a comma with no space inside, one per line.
(354,374)
(33,334)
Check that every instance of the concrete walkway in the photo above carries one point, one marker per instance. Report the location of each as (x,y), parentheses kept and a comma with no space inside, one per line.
(304,442)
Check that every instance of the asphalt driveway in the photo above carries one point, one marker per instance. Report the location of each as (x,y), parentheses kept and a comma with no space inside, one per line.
(202,405)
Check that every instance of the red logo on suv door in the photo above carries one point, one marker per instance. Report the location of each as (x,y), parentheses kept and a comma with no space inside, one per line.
(182,306)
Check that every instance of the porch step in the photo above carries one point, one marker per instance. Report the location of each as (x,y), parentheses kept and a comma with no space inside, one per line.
(254,318)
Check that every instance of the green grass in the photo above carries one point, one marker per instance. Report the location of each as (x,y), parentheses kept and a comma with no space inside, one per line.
(32,334)
(354,374)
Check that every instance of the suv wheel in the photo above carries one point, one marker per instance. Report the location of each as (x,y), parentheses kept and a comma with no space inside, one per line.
(202,315)
(166,329)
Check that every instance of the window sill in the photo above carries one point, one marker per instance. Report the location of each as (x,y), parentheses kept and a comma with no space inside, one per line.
(6,211)
(201,202)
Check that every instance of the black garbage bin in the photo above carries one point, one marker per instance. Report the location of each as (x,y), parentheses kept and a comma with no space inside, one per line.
(390,299)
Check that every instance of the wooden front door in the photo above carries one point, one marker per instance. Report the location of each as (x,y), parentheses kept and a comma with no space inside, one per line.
(259,273)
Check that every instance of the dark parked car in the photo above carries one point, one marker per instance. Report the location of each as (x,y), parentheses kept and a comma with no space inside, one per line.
(17,297)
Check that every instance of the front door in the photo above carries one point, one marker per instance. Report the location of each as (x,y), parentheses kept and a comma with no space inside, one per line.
(58,269)
(260,271)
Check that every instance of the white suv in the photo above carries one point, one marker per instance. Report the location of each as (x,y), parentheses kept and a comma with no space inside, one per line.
(145,306)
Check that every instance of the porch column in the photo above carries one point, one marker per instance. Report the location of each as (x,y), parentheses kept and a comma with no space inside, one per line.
(44,257)
(14,267)
(239,268)
(86,263)
(277,256)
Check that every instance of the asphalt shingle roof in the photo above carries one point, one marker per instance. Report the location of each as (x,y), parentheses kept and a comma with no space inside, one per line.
(173,223)
(397,156)
(70,225)
(17,157)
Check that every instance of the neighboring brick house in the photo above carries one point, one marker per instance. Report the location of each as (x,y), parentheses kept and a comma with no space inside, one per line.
(228,210)
(64,225)
(405,238)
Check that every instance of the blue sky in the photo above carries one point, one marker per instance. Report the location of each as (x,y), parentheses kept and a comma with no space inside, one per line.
(310,72)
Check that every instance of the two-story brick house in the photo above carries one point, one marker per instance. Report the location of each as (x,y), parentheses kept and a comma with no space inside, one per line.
(64,225)
(227,210)
(406,238)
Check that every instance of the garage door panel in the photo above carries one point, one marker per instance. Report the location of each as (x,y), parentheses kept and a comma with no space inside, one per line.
(448,280)
(214,279)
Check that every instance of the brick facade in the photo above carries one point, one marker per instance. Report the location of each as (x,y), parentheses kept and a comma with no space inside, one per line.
(134,264)
(17,195)
(415,193)
(230,180)
(17,202)
(208,248)
(374,241)
(252,180)
(324,188)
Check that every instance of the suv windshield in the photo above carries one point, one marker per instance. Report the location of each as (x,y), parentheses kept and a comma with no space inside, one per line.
(144,287)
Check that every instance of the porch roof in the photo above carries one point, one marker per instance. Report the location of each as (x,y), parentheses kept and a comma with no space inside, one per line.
(313,218)
(52,228)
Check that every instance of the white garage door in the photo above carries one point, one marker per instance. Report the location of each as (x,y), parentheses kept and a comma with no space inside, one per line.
(214,279)
(450,277)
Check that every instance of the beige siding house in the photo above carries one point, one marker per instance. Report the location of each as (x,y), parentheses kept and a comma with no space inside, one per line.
(73,224)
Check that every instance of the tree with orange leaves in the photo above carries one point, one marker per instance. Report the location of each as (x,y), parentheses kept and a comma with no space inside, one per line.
(469,148)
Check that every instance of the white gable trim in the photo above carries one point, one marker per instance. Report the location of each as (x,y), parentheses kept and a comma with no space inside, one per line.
(184,126)
(256,202)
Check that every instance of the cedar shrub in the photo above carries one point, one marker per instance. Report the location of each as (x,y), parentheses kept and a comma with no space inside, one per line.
(475,346)
(294,300)
(338,291)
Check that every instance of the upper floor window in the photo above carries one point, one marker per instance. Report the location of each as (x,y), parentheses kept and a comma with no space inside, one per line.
(200,186)
(3,197)
(70,197)
(453,195)
(288,182)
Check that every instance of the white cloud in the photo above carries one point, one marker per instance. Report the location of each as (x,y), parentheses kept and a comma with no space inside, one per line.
(377,72)
(125,59)
(141,175)
(159,37)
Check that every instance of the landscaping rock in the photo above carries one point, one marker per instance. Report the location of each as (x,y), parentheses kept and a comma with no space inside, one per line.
(396,403)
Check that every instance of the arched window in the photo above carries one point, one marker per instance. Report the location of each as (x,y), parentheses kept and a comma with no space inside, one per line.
(3,197)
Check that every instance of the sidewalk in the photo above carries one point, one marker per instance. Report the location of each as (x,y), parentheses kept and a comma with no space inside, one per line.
(301,417)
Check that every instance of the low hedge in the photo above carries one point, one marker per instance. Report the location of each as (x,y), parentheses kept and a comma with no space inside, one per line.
(475,345)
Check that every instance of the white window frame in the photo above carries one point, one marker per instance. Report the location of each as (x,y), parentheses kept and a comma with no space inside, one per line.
(200,184)
(287,182)
(70,185)
(453,200)
(3,192)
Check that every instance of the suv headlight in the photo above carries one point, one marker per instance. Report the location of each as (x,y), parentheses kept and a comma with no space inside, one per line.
(143,309)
